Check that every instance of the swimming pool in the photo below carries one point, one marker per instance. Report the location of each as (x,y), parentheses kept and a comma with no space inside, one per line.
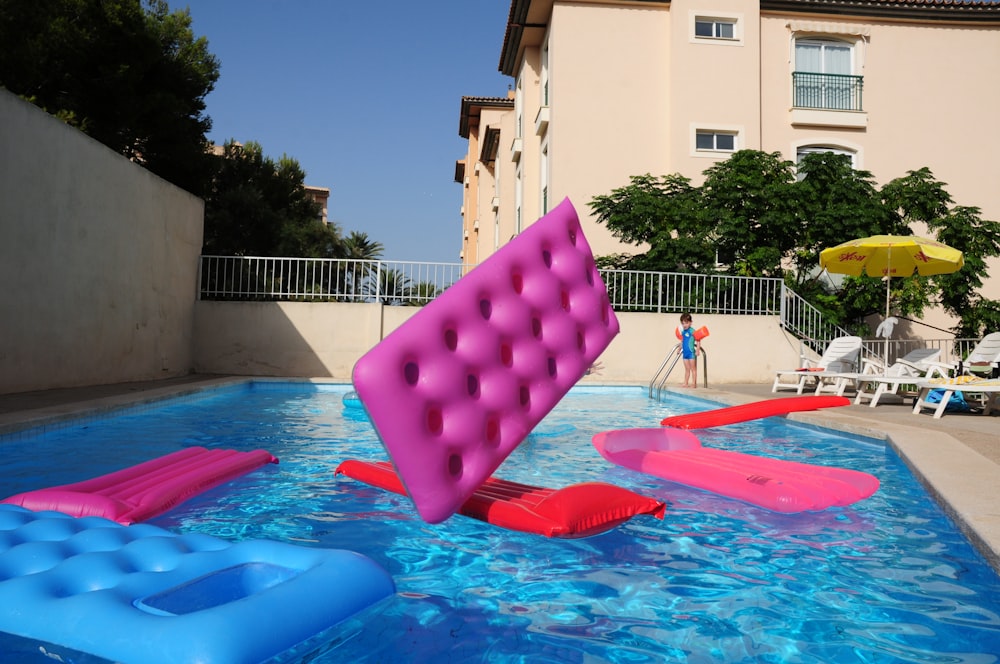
(889,579)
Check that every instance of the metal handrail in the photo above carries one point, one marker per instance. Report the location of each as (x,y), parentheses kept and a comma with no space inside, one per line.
(657,384)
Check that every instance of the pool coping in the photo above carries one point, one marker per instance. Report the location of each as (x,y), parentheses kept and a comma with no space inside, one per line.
(949,470)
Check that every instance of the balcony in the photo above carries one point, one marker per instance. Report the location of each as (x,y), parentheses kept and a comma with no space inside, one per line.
(832,100)
(515,149)
(542,121)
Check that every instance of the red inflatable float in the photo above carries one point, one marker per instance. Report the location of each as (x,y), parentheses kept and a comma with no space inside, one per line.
(579,510)
(752,411)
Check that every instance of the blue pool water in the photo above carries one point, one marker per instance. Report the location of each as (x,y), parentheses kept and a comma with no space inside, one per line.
(889,579)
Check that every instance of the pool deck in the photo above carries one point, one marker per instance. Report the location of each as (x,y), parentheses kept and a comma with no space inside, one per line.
(957,457)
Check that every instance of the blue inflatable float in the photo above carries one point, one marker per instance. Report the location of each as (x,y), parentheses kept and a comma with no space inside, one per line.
(143,594)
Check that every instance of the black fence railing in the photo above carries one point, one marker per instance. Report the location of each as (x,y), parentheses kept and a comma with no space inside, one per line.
(835,92)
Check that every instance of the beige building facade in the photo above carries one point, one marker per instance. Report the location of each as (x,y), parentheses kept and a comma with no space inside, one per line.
(603,90)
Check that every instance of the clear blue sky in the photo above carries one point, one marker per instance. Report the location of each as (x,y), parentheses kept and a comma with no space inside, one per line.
(366,96)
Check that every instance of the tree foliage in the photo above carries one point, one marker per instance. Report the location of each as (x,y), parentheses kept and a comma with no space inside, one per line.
(661,214)
(129,73)
(758,215)
(259,207)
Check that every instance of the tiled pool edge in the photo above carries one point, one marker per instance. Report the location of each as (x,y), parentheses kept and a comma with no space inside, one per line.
(958,478)
(947,469)
(52,417)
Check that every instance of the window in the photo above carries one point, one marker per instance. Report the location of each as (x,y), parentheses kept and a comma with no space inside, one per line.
(714,141)
(812,149)
(714,28)
(545,74)
(802,151)
(823,76)
(544,168)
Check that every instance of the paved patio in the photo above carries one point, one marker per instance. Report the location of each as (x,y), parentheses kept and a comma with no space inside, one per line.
(957,457)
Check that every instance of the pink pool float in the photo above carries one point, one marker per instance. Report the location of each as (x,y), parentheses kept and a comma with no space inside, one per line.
(454,390)
(147,489)
(775,484)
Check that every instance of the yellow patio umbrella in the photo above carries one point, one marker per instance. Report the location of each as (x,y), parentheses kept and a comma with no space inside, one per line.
(890,256)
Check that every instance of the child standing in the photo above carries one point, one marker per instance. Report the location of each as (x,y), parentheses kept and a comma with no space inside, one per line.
(689,352)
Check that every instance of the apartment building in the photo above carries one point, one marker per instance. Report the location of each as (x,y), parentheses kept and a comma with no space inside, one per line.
(606,89)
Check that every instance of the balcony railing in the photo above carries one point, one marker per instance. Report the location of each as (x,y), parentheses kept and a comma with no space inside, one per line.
(834,92)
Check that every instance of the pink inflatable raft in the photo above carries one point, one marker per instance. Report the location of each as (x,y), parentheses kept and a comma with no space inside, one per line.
(145,490)
(774,484)
(456,388)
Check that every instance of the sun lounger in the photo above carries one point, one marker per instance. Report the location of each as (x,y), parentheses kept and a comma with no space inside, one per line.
(840,357)
(919,364)
(989,389)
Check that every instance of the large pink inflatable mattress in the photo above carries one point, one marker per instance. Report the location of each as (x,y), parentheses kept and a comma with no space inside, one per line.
(457,387)
(145,490)
(775,484)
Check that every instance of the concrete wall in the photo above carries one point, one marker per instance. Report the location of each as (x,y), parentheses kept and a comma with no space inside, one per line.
(325,340)
(98,260)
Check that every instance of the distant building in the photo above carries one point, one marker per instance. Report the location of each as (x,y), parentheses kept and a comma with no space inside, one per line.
(322,196)
(603,90)
(480,122)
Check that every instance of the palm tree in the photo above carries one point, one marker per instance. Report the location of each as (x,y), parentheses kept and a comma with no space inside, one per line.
(361,252)
(390,287)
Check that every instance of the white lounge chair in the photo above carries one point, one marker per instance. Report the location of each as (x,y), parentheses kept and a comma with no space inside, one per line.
(983,361)
(915,366)
(988,392)
(840,357)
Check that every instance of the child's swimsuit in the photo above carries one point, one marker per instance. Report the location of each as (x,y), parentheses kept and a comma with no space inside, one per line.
(687,343)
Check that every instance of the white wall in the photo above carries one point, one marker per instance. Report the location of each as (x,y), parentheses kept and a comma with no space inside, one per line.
(98,260)
(325,339)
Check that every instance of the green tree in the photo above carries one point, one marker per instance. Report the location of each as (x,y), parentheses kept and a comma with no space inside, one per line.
(130,74)
(749,213)
(835,203)
(358,246)
(259,207)
(919,197)
(766,217)
(660,215)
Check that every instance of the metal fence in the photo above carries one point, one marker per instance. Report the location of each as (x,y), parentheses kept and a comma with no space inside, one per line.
(256,278)
(261,278)
(632,290)
(389,282)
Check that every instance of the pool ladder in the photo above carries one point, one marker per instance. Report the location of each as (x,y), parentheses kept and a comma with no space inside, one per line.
(659,380)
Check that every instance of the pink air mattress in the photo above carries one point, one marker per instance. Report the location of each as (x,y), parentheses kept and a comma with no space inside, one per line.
(147,489)
(774,484)
(456,388)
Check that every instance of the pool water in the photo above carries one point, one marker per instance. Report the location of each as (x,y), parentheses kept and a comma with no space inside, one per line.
(889,579)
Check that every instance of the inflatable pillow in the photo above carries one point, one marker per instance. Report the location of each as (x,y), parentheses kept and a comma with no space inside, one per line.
(454,390)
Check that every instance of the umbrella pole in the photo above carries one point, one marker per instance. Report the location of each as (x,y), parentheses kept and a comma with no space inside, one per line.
(888,283)
(885,365)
